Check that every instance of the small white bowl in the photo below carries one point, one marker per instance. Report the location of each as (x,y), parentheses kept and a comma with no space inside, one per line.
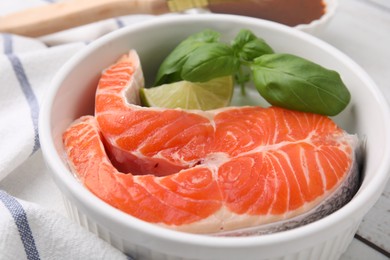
(315,27)
(72,95)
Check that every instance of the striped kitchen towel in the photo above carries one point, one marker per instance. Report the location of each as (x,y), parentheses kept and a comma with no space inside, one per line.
(27,66)
(30,232)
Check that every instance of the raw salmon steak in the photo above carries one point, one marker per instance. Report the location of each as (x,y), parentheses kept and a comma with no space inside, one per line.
(209,171)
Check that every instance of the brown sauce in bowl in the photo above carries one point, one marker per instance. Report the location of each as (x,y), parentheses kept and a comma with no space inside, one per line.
(289,12)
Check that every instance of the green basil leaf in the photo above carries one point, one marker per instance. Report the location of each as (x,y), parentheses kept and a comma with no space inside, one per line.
(295,83)
(248,46)
(210,61)
(170,69)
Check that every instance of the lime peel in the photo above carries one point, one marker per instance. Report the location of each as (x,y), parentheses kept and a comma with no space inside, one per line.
(212,94)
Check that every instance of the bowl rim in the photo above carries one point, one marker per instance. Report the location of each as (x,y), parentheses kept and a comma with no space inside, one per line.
(330,10)
(75,189)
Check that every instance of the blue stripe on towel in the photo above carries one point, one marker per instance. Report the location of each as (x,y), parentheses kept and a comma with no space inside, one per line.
(7,43)
(25,86)
(130,257)
(119,23)
(21,221)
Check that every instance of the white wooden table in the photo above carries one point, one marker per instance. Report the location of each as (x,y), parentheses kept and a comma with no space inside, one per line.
(361,29)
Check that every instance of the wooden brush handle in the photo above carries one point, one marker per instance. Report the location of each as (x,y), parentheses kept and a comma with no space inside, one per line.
(71,13)
(67,14)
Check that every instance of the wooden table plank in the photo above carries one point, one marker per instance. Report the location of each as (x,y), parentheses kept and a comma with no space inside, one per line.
(376,224)
(360,251)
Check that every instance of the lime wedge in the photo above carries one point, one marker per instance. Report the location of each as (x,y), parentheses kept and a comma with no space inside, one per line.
(208,95)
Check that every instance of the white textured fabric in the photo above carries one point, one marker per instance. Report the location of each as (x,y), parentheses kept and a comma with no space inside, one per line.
(27,65)
(28,231)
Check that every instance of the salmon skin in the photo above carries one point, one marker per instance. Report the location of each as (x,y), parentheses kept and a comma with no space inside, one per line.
(231,171)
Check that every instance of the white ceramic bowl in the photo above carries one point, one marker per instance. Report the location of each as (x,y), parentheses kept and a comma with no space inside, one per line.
(72,95)
(315,27)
